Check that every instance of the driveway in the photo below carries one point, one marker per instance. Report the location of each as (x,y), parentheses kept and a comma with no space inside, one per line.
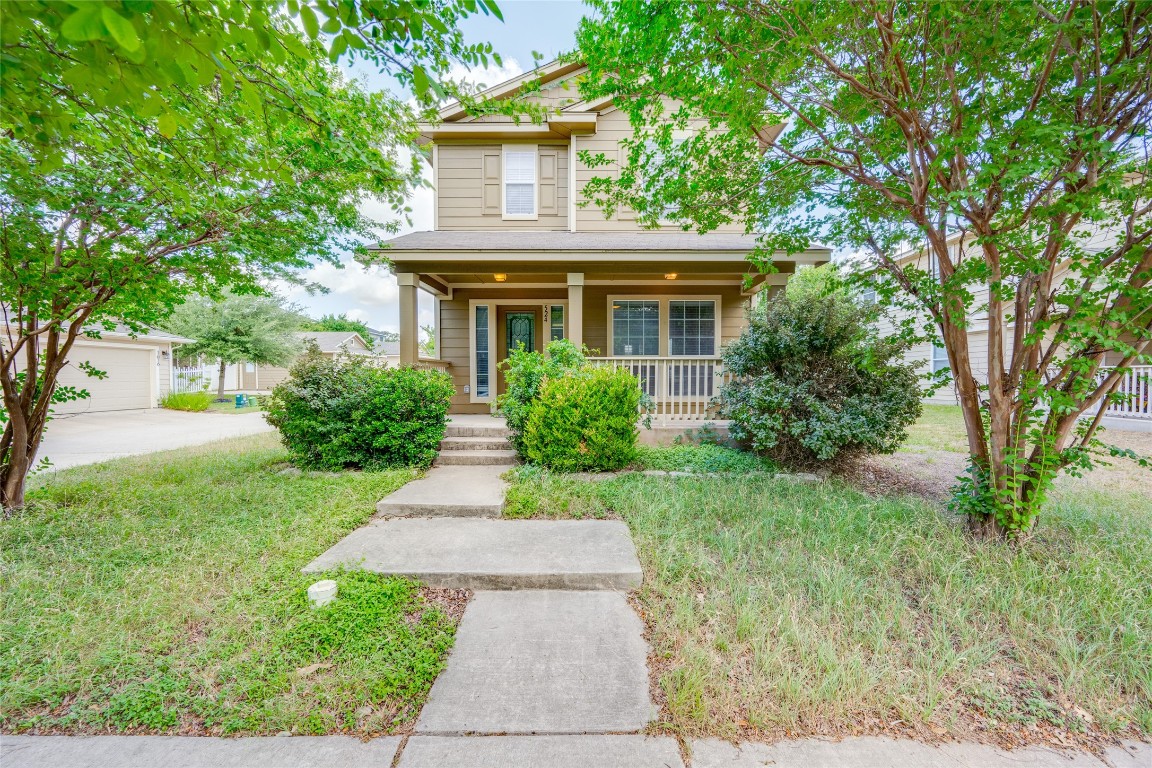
(88,438)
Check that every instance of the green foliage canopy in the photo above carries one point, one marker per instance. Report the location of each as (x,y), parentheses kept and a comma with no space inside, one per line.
(1017,129)
(237,329)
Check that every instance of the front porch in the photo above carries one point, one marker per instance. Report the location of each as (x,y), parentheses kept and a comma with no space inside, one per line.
(660,305)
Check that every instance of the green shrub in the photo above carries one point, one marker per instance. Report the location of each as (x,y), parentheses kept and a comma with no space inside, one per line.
(187,401)
(524,375)
(584,420)
(347,412)
(813,384)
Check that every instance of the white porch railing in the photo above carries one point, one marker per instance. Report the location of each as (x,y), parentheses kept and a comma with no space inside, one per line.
(1136,384)
(194,378)
(681,388)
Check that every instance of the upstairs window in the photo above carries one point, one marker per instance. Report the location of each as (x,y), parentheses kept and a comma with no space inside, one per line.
(520,182)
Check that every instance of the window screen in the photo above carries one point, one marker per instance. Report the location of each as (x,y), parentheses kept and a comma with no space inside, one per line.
(520,183)
(635,328)
(692,327)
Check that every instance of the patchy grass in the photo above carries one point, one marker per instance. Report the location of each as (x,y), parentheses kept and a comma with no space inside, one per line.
(230,406)
(702,458)
(939,428)
(784,609)
(162,594)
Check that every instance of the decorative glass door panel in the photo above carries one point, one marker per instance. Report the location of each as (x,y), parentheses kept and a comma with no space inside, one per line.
(521,330)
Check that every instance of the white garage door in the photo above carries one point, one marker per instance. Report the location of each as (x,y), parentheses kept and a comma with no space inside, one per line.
(127,387)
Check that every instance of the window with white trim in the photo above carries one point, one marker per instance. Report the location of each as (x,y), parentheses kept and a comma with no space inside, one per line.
(939,358)
(691,328)
(636,328)
(520,182)
(483,383)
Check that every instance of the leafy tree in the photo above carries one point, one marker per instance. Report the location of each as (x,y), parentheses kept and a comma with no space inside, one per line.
(237,329)
(154,151)
(427,340)
(64,60)
(337,323)
(1020,127)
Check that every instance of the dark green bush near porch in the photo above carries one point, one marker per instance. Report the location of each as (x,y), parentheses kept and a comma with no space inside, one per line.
(813,384)
(524,375)
(584,420)
(348,412)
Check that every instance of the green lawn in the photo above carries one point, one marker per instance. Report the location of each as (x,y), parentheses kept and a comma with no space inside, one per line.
(777,608)
(163,594)
(230,406)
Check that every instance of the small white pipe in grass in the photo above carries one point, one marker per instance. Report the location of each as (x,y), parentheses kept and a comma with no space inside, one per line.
(321,593)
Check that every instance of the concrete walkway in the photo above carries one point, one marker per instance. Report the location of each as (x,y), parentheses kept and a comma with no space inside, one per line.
(603,751)
(89,438)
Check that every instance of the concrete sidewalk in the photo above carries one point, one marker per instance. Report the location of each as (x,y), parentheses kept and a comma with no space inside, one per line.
(89,438)
(607,751)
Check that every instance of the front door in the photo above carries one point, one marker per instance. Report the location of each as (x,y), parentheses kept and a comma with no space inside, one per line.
(516,325)
(521,329)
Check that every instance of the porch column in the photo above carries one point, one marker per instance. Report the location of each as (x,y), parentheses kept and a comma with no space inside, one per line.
(409,318)
(576,308)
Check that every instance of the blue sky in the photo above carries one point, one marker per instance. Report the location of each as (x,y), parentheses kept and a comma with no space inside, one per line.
(545,26)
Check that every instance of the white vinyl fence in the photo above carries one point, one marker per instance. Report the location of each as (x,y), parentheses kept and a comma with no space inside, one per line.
(1133,397)
(194,379)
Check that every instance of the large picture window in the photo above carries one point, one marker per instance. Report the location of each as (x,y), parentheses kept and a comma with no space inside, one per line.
(636,328)
(691,328)
(520,182)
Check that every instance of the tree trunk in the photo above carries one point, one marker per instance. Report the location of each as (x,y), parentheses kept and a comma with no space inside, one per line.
(220,389)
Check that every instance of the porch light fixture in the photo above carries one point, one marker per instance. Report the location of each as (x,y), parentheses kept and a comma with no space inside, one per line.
(500,277)
(670,276)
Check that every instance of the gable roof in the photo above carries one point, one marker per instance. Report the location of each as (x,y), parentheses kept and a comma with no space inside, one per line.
(330,341)
(545,73)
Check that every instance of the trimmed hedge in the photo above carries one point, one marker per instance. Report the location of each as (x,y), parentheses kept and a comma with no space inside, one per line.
(348,412)
(524,376)
(584,420)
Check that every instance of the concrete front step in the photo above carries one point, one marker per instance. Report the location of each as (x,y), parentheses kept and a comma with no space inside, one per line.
(475,444)
(475,458)
(476,553)
(474,430)
(453,491)
(543,662)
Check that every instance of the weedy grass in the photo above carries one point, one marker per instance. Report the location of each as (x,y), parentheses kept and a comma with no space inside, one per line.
(780,608)
(164,594)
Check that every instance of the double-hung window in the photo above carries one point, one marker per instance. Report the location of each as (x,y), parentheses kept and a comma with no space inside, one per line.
(520,182)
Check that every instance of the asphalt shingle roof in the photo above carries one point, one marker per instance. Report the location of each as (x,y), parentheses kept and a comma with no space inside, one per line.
(498,240)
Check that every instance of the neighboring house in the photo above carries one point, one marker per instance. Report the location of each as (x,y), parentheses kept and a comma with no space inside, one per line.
(378,338)
(516,259)
(331,343)
(139,370)
(932,358)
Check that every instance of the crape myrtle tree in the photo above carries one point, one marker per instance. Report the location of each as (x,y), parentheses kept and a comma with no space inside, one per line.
(237,329)
(1020,127)
(150,151)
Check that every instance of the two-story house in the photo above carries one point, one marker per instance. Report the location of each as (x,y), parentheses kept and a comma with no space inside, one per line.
(515,258)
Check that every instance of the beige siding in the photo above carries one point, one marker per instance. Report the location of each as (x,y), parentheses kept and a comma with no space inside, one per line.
(468,188)
(612,127)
